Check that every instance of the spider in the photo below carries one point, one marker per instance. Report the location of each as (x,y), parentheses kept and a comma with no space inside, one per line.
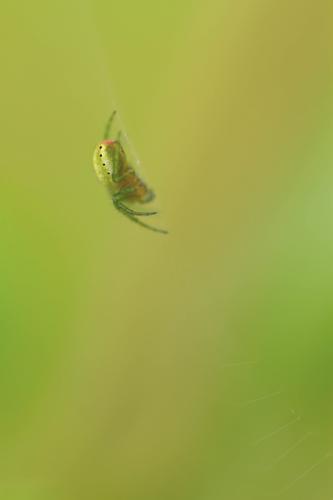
(122,182)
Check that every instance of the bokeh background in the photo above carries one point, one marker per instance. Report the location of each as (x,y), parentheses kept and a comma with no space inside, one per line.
(196,365)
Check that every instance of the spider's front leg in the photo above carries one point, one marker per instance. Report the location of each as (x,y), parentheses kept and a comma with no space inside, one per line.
(109,125)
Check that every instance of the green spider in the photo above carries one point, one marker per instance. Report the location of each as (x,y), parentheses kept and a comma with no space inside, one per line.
(120,179)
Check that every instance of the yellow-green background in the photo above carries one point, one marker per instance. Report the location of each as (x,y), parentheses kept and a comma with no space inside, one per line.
(194,366)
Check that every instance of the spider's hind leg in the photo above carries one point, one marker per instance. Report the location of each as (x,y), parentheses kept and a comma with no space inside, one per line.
(124,211)
(122,195)
(120,206)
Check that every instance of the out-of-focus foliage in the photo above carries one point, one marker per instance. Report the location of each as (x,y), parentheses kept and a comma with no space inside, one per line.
(194,366)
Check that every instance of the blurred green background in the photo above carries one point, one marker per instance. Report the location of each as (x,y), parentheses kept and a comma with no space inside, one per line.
(192,366)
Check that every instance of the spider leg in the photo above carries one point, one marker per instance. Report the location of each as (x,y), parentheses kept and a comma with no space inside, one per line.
(137,221)
(122,194)
(129,211)
(109,124)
